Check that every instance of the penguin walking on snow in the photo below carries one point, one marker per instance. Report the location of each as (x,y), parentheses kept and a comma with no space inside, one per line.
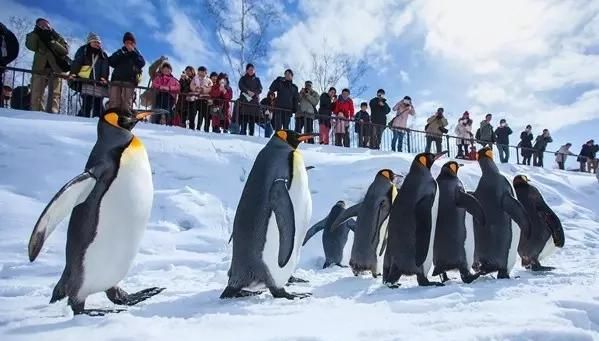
(496,242)
(370,234)
(412,225)
(110,204)
(546,234)
(271,219)
(333,240)
(454,236)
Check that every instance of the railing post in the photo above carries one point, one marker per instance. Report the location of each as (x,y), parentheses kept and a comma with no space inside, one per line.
(517,156)
(50,96)
(409,140)
(447,143)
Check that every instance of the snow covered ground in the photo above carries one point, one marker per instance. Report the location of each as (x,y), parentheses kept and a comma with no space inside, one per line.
(198,179)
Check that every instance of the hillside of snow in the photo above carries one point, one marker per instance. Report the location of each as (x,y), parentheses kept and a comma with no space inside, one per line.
(198,179)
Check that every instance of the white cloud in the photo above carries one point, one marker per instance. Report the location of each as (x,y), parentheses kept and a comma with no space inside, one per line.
(404,76)
(487,94)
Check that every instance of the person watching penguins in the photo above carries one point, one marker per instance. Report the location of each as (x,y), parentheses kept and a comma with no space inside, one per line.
(435,128)
(540,146)
(50,56)
(403,110)
(378,112)
(127,63)
(502,135)
(287,100)
(485,134)
(525,145)
(9,51)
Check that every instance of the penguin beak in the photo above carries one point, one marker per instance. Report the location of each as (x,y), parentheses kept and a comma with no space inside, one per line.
(306,137)
(140,116)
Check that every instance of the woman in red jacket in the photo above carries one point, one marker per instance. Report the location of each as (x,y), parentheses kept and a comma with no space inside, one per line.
(343,109)
(221,96)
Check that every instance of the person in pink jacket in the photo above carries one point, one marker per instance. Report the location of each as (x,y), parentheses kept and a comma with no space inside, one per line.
(167,89)
(403,109)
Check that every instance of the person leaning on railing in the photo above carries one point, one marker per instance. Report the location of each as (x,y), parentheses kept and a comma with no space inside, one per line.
(167,89)
(562,155)
(50,56)
(588,156)
(90,63)
(435,128)
(127,63)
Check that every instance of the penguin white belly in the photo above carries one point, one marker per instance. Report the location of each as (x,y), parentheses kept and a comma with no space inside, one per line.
(469,242)
(299,192)
(428,262)
(513,253)
(379,248)
(123,216)
(548,249)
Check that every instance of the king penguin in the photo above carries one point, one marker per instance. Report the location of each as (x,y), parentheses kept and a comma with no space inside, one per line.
(370,234)
(333,240)
(412,225)
(271,219)
(546,234)
(454,236)
(110,204)
(496,242)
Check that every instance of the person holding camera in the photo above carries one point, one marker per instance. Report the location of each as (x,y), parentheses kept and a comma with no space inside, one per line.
(525,145)
(435,128)
(502,134)
(378,113)
(403,110)
(463,130)
(304,118)
(540,146)
(50,56)
(325,110)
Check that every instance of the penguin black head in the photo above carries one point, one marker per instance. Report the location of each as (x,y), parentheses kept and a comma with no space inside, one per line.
(520,180)
(450,169)
(387,173)
(122,118)
(340,203)
(293,138)
(485,153)
(425,160)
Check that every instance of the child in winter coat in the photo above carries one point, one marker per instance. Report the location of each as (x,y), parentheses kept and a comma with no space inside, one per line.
(221,96)
(167,89)
(362,126)
(472,155)
(344,111)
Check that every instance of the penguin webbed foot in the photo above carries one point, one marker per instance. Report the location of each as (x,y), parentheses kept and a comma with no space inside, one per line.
(468,277)
(231,292)
(100,312)
(443,276)
(424,282)
(393,285)
(140,296)
(281,293)
(294,279)
(503,274)
(541,268)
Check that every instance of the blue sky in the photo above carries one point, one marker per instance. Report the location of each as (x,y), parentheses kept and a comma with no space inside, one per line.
(529,61)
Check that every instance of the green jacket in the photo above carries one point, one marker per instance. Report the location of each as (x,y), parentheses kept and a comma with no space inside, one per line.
(43,57)
(307,104)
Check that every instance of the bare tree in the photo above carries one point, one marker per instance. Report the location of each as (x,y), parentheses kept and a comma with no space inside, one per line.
(241,27)
(20,26)
(328,69)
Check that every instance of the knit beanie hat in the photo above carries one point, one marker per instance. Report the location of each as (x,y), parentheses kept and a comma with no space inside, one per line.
(91,36)
(128,36)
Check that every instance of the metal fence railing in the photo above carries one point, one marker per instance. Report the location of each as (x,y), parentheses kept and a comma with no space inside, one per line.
(220,115)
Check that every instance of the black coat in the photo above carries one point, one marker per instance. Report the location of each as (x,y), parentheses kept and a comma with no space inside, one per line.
(127,65)
(503,135)
(365,118)
(379,113)
(526,143)
(84,56)
(588,151)
(287,95)
(541,142)
(12,45)
(253,84)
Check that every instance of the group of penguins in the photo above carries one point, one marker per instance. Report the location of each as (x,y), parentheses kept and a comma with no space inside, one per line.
(398,229)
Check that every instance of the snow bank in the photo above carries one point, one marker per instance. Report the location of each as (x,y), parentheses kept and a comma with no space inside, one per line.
(198,179)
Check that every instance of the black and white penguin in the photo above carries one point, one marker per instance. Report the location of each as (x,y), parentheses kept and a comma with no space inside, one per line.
(109,204)
(333,240)
(412,224)
(271,219)
(454,236)
(546,234)
(370,234)
(496,242)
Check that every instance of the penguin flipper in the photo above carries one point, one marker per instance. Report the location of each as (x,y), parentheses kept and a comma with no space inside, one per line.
(424,226)
(345,216)
(553,222)
(351,224)
(314,230)
(517,212)
(281,204)
(471,205)
(70,195)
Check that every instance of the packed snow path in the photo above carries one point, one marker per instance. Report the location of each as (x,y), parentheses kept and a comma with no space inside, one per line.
(198,180)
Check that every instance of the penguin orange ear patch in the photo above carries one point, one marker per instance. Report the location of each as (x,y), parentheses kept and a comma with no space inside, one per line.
(489,153)
(112,119)
(423,160)
(386,174)
(453,167)
(282,135)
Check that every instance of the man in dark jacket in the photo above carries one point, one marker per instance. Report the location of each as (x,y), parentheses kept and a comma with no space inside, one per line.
(540,146)
(127,63)
(50,56)
(502,134)
(378,115)
(91,63)
(587,155)
(250,89)
(9,49)
(525,145)
(287,100)
(325,109)
(485,134)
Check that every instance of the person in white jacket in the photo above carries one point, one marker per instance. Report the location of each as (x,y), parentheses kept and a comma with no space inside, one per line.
(562,155)
(403,110)
(463,130)
(202,85)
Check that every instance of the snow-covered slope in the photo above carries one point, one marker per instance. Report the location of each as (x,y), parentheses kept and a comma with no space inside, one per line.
(198,180)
